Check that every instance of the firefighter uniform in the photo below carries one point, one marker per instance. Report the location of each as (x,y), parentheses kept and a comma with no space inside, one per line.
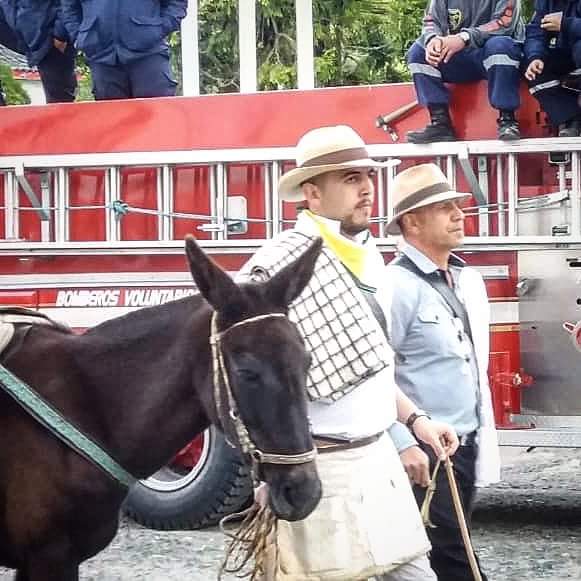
(30,27)
(493,33)
(560,53)
(125,44)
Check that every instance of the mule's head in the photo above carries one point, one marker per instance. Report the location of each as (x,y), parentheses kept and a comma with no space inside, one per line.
(267,365)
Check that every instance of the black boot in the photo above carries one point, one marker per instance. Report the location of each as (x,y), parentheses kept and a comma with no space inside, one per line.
(569,128)
(507,126)
(439,128)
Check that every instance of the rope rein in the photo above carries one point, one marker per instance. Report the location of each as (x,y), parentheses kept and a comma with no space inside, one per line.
(246,552)
(425,512)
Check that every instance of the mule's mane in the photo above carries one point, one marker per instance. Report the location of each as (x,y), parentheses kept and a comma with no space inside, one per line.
(140,322)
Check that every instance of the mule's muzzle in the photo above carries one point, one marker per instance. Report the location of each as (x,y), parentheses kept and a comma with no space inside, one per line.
(295,491)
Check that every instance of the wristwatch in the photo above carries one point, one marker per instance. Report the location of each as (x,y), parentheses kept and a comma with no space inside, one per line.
(465,36)
(413,417)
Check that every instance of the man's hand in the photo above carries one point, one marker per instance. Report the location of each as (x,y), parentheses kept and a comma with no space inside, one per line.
(417,465)
(434,51)
(60,45)
(439,436)
(451,45)
(552,22)
(535,68)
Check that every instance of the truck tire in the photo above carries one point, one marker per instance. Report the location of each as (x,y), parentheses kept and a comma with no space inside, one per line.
(196,493)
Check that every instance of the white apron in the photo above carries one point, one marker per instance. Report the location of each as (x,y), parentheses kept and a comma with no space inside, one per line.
(366,524)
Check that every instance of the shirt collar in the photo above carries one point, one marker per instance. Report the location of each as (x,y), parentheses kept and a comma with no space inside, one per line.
(424,263)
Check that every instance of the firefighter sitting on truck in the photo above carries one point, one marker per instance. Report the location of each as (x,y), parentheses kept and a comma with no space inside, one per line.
(462,42)
(552,50)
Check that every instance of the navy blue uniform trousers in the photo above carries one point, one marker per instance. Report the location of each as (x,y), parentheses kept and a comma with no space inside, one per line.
(149,76)
(57,73)
(498,61)
(558,103)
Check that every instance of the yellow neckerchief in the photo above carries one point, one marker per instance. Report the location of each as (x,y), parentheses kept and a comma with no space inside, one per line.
(351,254)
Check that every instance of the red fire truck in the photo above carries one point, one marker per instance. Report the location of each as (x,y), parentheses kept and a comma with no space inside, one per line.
(97,198)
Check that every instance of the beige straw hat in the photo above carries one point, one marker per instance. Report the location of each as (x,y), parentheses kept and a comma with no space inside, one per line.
(322,150)
(417,186)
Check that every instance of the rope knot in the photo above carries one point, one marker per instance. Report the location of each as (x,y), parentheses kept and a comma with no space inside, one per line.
(120,208)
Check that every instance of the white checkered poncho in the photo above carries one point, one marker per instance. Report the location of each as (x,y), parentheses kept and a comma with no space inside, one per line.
(340,331)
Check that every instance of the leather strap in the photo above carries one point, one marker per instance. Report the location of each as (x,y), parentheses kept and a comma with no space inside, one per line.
(326,444)
(435,280)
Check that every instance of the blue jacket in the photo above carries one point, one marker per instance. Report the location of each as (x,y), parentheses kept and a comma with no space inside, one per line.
(35,23)
(111,31)
(539,42)
(482,20)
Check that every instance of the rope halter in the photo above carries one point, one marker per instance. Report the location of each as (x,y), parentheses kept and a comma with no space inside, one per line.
(220,375)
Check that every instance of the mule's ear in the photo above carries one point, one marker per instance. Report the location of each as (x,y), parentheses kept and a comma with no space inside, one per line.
(214,284)
(287,284)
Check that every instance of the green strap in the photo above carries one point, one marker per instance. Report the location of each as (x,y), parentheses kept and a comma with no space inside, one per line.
(48,416)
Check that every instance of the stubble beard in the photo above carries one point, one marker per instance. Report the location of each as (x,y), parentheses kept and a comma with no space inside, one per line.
(350,228)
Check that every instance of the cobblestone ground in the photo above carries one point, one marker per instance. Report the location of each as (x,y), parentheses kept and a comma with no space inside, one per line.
(529,527)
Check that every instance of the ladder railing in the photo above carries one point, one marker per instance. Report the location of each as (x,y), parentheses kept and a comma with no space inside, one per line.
(487,167)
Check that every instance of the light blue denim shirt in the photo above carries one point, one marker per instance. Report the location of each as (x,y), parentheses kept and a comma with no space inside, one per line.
(435,365)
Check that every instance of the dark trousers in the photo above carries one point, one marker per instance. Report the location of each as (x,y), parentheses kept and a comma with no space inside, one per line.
(498,61)
(448,556)
(57,73)
(149,76)
(558,103)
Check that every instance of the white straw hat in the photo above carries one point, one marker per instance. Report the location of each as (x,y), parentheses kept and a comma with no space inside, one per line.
(322,150)
(417,186)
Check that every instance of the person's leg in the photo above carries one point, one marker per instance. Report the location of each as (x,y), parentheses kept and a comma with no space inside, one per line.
(501,59)
(57,72)
(417,570)
(572,80)
(429,81)
(151,77)
(557,102)
(110,81)
(448,557)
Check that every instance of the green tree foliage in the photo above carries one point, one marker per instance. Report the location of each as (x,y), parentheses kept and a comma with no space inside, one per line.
(14,93)
(356,42)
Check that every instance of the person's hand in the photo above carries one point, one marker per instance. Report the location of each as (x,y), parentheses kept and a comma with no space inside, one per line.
(434,51)
(535,68)
(261,494)
(451,45)
(60,45)
(417,465)
(439,436)
(552,22)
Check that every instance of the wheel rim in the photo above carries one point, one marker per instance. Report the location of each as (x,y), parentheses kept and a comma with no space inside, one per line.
(184,468)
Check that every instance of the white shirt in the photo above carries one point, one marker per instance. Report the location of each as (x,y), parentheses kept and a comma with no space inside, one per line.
(369,408)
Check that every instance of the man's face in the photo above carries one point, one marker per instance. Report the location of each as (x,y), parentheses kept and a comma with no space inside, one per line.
(439,226)
(343,195)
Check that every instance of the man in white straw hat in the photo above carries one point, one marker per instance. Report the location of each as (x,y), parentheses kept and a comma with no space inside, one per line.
(367,523)
(439,330)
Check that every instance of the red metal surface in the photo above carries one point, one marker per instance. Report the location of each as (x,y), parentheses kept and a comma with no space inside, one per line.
(506,386)
(270,119)
(190,455)
(17,298)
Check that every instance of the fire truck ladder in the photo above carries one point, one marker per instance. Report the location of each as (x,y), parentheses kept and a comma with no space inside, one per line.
(483,166)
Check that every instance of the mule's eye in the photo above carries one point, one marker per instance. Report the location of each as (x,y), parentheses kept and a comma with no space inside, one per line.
(248,375)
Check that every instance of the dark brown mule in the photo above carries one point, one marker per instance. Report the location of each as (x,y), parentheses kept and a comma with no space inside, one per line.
(142,386)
